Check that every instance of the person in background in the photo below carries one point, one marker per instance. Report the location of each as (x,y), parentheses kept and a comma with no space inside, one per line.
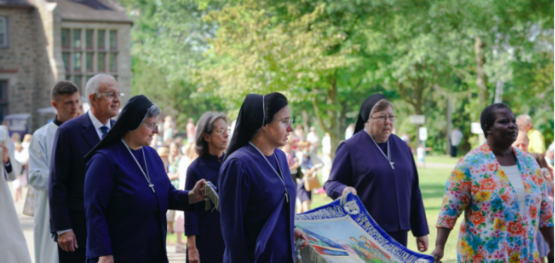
(22,156)
(66,100)
(522,141)
(16,137)
(549,156)
(189,155)
(26,141)
(503,198)
(376,166)
(313,139)
(202,227)
(547,175)
(169,127)
(299,133)
(537,142)
(191,130)
(310,163)
(326,144)
(455,138)
(349,131)
(164,153)
(13,247)
(72,141)
(292,160)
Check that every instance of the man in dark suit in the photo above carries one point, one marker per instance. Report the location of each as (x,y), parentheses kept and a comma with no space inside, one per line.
(73,140)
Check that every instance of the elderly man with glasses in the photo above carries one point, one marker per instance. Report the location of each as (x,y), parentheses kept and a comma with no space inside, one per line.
(72,141)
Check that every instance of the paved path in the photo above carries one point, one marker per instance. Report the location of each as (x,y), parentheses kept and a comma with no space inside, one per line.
(27,226)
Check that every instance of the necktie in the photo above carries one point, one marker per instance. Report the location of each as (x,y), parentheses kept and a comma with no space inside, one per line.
(104,131)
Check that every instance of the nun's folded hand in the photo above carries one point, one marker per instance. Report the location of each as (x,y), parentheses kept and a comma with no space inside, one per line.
(197,194)
(349,189)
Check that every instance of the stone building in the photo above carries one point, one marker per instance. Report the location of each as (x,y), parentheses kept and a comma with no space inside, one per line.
(45,41)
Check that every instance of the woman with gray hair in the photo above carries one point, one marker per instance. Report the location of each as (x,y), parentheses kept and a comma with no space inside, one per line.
(127,191)
(202,227)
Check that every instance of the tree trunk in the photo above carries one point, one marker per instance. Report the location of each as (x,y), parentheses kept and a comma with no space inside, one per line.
(481,78)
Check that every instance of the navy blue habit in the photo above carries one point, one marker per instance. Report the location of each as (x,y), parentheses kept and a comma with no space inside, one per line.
(205,225)
(124,217)
(257,221)
(391,196)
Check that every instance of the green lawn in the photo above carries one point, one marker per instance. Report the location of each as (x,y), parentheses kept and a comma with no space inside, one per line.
(432,183)
(446,159)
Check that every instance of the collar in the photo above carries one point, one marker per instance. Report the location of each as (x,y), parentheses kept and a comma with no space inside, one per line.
(57,122)
(97,124)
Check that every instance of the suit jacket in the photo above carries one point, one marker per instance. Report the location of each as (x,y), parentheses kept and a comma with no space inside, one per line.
(73,140)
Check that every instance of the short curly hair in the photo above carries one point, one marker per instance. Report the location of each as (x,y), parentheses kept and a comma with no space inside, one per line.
(489,114)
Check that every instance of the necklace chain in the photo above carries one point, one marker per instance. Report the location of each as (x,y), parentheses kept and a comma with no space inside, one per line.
(146,175)
(278,174)
(388,157)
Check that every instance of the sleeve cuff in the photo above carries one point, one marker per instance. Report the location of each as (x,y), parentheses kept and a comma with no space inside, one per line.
(63,231)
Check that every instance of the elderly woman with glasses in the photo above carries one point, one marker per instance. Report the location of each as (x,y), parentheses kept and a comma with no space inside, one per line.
(202,227)
(127,191)
(379,167)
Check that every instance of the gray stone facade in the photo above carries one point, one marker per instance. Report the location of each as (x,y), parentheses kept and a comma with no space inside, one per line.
(35,57)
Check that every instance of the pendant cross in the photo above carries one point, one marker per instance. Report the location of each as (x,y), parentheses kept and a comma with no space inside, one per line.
(286,196)
(392,163)
(152,187)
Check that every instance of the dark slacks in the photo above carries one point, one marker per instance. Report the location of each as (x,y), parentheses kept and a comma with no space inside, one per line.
(79,226)
(399,236)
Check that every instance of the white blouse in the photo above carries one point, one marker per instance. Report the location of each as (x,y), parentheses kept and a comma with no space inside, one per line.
(516,181)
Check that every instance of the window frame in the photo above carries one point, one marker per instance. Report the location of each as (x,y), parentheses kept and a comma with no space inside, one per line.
(5,30)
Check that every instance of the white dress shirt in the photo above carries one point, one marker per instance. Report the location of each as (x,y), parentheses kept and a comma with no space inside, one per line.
(97,124)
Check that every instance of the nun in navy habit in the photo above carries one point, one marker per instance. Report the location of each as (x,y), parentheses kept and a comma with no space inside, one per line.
(127,191)
(379,167)
(257,194)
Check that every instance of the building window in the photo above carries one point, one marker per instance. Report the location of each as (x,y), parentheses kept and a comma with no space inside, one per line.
(3,99)
(3,31)
(85,53)
(101,39)
(113,39)
(76,34)
(89,39)
(65,38)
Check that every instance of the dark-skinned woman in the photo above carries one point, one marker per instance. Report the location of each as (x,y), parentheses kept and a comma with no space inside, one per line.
(257,194)
(502,195)
(379,167)
(127,191)
(202,227)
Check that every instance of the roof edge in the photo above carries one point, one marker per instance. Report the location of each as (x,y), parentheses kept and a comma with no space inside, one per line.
(97,21)
(29,7)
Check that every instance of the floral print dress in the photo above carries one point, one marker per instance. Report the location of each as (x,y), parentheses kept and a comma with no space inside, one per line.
(493,229)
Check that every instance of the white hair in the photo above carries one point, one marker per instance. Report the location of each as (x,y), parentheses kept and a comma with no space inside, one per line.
(525,118)
(551,148)
(94,84)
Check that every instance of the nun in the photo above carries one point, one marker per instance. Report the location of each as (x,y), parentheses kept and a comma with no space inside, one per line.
(257,194)
(379,167)
(127,191)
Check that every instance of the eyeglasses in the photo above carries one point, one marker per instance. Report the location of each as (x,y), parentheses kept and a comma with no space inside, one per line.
(222,130)
(383,118)
(286,121)
(113,95)
(152,127)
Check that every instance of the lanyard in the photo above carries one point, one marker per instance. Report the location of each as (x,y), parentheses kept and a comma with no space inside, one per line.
(147,176)
(388,157)
(278,174)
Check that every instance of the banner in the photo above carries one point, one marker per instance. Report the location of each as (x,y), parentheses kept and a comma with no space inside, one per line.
(343,232)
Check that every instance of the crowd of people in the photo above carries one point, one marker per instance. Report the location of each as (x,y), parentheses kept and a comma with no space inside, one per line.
(110,191)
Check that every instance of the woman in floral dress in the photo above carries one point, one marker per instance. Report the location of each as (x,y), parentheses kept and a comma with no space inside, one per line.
(503,197)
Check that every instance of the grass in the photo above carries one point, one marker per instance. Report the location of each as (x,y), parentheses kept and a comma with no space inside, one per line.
(445,159)
(432,183)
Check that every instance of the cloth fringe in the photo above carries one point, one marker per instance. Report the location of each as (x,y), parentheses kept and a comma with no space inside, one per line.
(213,196)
